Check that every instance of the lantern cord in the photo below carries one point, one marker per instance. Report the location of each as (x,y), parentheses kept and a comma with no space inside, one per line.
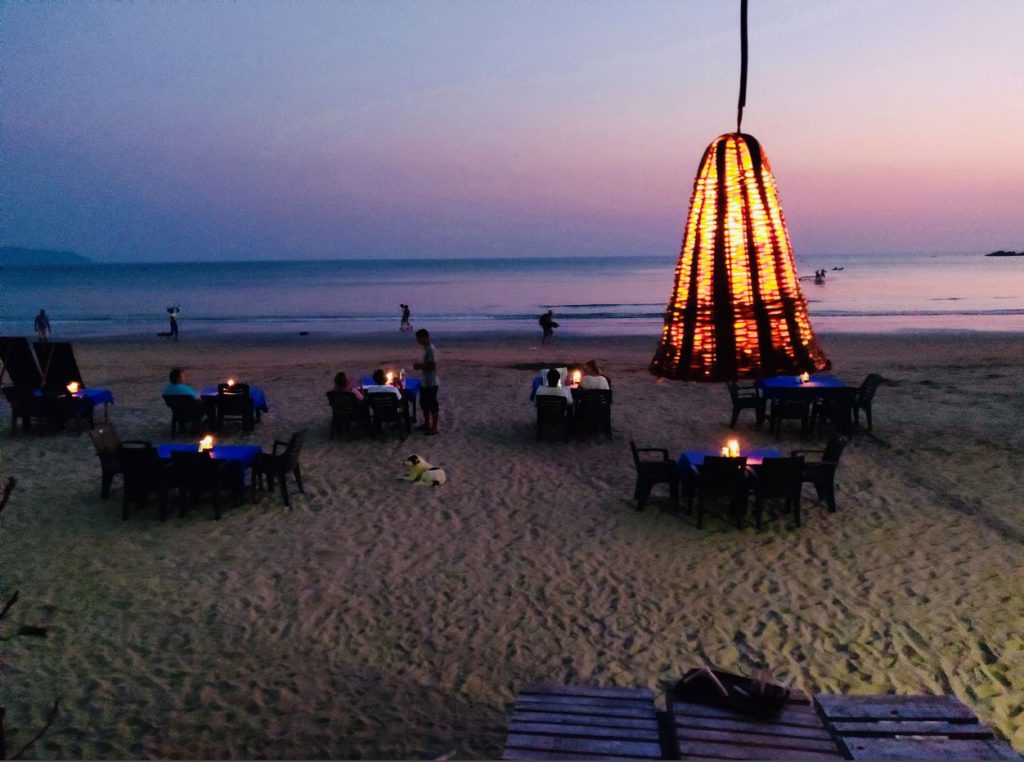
(743,64)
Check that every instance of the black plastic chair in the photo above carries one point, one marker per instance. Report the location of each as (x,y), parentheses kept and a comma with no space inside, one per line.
(235,402)
(865,395)
(198,473)
(346,409)
(835,407)
(789,405)
(652,472)
(143,472)
(822,473)
(186,411)
(25,407)
(107,443)
(745,398)
(722,479)
(594,412)
(389,409)
(777,479)
(553,411)
(276,465)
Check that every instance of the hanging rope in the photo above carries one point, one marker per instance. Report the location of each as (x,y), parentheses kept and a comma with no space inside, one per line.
(743,64)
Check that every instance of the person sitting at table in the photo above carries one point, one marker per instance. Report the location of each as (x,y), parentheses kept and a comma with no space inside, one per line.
(380,385)
(342,384)
(593,378)
(177,386)
(554,387)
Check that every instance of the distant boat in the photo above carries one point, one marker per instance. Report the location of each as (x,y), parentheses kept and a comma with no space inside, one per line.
(1001,253)
(838,268)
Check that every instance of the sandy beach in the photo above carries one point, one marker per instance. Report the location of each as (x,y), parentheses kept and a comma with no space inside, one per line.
(380,619)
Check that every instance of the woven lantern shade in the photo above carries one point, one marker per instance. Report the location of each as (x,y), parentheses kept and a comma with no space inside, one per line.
(737,311)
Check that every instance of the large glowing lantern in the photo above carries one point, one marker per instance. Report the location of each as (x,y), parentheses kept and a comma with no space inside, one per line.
(737,310)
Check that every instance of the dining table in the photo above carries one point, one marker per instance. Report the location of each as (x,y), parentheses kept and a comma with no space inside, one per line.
(86,399)
(409,387)
(256,393)
(242,454)
(815,382)
(695,458)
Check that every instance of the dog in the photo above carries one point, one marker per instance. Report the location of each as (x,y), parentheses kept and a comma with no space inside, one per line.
(421,472)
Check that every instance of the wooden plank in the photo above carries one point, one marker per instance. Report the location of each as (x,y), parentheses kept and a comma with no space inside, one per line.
(690,749)
(886,707)
(634,694)
(531,704)
(632,749)
(535,754)
(586,719)
(584,731)
(764,741)
(742,725)
(790,715)
(887,728)
(928,748)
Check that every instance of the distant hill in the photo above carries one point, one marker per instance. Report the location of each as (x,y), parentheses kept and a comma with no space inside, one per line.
(12,256)
(1005,254)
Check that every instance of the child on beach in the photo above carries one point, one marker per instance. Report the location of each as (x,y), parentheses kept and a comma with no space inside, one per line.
(428,383)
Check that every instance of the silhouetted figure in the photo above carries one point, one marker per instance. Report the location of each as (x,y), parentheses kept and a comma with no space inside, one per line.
(172,313)
(405,325)
(548,325)
(42,325)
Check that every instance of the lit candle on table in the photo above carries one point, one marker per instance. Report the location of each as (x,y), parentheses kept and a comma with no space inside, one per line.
(231,382)
(577,376)
(805,377)
(73,387)
(725,452)
(390,377)
(734,448)
(206,443)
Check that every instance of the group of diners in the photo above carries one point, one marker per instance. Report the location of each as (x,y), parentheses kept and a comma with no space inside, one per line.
(190,408)
(580,403)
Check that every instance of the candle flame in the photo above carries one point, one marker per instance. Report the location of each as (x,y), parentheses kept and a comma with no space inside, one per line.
(231,382)
(206,443)
(734,448)
(73,387)
(390,376)
(805,377)
(577,376)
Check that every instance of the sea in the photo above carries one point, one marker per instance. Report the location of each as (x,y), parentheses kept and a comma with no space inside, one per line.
(589,296)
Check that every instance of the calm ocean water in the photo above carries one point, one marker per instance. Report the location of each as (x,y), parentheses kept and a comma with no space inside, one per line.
(623,295)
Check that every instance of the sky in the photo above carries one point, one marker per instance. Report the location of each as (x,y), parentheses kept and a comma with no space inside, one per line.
(161,131)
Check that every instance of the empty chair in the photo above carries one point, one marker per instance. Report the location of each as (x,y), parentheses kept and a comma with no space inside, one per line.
(865,394)
(388,409)
(552,411)
(744,398)
(234,402)
(834,406)
(277,464)
(107,443)
(186,411)
(662,470)
(346,409)
(822,473)
(777,479)
(594,412)
(789,405)
(198,473)
(721,479)
(143,472)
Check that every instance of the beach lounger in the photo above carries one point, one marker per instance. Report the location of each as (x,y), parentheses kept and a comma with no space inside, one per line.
(583,722)
(19,362)
(909,727)
(57,363)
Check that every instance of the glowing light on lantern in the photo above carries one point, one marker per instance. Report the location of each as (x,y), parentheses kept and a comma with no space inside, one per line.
(734,448)
(206,443)
(805,377)
(73,387)
(577,376)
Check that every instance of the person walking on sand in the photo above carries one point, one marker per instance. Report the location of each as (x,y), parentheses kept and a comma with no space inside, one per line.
(172,313)
(548,325)
(42,326)
(405,324)
(428,382)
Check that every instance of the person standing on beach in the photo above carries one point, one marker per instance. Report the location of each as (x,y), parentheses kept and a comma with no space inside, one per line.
(428,382)
(548,325)
(172,313)
(42,326)
(405,325)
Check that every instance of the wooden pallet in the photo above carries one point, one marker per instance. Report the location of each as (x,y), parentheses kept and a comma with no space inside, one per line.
(910,727)
(583,722)
(797,732)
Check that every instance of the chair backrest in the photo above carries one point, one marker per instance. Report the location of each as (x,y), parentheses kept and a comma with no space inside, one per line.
(834,449)
(722,476)
(105,439)
(193,469)
(867,390)
(237,388)
(551,408)
(294,448)
(636,455)
(591,399)
(137,458)
(385,406)
(233,400)
(58,364)
(344,404)
(779,477)
(20,362)
(179,403)
(734,390)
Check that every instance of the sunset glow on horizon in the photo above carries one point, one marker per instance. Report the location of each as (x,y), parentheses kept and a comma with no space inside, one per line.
(321,130)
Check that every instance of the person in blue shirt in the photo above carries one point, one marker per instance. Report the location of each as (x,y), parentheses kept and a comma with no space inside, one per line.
(177,386)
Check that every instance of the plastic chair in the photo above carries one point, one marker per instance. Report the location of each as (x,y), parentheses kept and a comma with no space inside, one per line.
(652,472)
(277,464)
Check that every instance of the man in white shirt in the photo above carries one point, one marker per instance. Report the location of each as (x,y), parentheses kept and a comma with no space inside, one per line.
(380,385)
(555,388)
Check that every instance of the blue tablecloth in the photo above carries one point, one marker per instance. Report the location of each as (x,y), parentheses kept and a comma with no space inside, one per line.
(97,395)
(818,381)
(259,399)
(696,457)
(243,454)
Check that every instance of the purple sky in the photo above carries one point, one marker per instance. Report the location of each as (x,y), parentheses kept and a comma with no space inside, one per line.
(169,131)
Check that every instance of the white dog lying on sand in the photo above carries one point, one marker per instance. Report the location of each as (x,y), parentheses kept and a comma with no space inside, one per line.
(422,472)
